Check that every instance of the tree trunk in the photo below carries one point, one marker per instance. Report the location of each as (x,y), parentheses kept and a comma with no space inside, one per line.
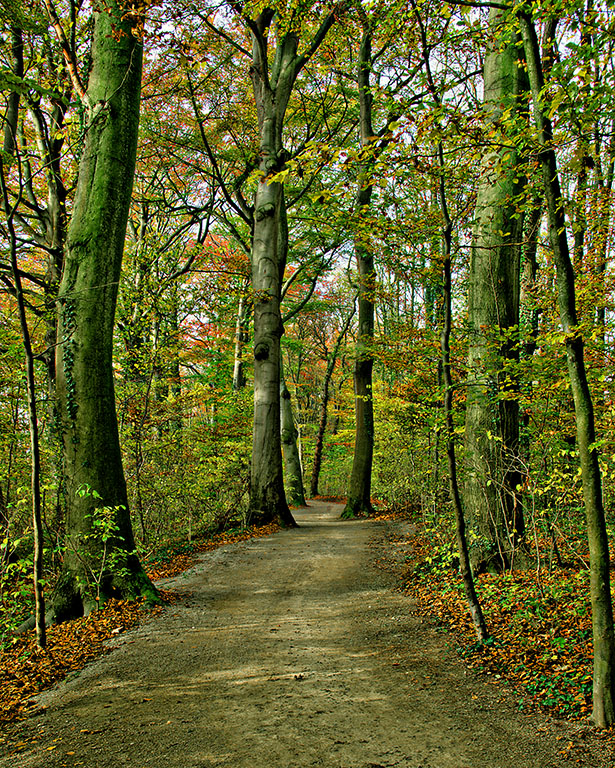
(271,94)
(267,498)
(320,437)
(241,339)
(100,559)
(290,450)
(35,458)
(603,713)
(529,315)
(324,403)
(272,82)
(474,606)
(444,372)
(492,415)
(359,490)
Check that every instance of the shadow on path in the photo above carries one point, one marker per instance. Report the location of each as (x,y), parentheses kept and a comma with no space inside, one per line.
(290,651)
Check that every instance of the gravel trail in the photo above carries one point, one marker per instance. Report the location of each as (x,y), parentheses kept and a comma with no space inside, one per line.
(290,651)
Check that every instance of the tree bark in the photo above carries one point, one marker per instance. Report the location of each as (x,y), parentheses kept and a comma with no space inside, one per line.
(98,563)
(603,713)
(492,413)
(267,497)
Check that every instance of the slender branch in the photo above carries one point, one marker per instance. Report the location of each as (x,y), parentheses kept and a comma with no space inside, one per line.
(212,159)
(298,307)
(320,35)
(67,51)
(221,33)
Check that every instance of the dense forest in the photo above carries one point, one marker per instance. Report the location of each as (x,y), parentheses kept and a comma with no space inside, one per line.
(257,252)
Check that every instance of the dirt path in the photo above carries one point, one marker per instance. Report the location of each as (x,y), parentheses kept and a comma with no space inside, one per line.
(288,652)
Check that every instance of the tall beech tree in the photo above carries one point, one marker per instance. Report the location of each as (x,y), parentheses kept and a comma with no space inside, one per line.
(99,538)
(492,411)
(359,489)
(372,145)
(275,64)
(603,713)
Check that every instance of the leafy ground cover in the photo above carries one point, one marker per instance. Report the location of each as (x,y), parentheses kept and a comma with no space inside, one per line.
(26,670)
(540,624)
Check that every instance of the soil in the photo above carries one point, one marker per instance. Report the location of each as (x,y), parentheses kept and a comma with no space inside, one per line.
(289,652)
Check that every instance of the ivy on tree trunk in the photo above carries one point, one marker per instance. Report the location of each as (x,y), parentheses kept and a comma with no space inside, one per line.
(100,560)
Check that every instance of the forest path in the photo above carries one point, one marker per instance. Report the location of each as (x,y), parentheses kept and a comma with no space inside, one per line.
(287,652)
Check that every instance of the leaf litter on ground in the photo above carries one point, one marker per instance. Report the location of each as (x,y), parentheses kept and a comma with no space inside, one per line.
(539,621)
(26,669)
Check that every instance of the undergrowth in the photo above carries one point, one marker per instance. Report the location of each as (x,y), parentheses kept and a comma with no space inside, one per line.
(539,622)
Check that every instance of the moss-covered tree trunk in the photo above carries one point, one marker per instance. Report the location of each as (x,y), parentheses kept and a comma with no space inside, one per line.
(603,712)
(100,559)
(492,414)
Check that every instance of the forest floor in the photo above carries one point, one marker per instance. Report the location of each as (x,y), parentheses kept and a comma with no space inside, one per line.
(292,651)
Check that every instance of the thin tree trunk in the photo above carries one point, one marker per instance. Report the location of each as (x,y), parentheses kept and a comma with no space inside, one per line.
(35,459)
(11,149)
(474,605)
(603,713)
(241,339)
(324,403)
(465,567)
(529,316)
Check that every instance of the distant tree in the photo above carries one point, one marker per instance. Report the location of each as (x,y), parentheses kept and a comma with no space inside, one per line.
(331,359)
(293,470)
